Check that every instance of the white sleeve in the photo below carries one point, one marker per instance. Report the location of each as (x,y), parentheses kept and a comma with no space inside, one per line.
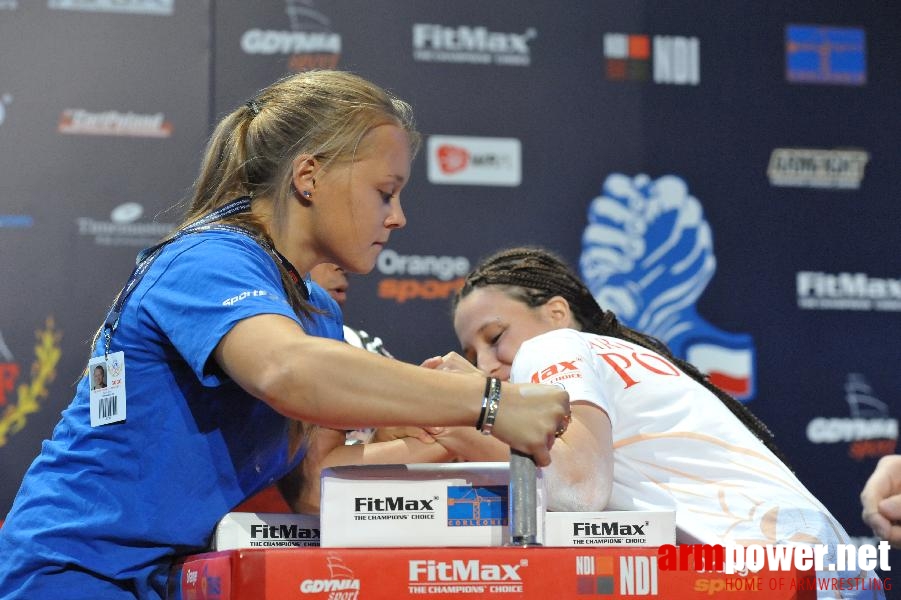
(564,358)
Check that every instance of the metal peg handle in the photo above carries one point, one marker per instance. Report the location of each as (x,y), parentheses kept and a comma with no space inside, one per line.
(523,500)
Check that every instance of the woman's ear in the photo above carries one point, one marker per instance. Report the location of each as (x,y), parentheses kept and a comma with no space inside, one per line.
(303,174)
(558,311)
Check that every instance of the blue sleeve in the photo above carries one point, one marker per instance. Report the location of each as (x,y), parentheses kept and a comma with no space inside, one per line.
(203,285)
(330,321)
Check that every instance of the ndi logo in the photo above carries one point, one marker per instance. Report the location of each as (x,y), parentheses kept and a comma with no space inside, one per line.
(668,59)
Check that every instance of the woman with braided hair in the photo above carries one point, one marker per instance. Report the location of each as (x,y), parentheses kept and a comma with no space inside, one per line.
(649,432)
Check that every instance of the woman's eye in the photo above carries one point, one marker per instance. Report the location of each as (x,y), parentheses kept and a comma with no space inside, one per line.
(386,196)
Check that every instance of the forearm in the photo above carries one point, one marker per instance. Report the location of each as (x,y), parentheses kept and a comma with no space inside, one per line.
(399,451)
(580,476)
(576,482)
(333,384)
(471,445)
(342,385)
(330,383)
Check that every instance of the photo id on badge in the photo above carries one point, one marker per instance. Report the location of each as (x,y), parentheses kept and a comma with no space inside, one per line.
(106,378)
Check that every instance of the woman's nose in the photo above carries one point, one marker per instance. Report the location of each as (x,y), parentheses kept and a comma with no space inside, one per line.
(488,363)
(396,219)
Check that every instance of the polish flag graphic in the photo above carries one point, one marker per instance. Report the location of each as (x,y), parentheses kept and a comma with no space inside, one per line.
(728,369)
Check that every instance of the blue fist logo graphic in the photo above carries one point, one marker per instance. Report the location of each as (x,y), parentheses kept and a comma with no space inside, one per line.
(647,255)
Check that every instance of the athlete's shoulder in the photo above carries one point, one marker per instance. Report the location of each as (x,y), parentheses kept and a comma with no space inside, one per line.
(558,336)
(217,240)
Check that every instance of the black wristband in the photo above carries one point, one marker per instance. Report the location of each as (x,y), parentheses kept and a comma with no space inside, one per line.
(481,420)
(493,396)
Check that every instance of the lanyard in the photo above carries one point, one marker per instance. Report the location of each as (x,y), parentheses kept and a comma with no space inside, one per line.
(147,257)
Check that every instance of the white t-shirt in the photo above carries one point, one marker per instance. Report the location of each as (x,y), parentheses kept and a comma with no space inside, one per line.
(677,447)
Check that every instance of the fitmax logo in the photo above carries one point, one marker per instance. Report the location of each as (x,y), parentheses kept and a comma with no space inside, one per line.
(463,570)
(283,532)
(391,504)
(552,370)
(613,528)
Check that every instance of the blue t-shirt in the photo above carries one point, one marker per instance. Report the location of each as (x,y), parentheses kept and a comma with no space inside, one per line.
(103,510)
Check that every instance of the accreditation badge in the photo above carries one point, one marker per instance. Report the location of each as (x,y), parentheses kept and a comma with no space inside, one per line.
(106,380)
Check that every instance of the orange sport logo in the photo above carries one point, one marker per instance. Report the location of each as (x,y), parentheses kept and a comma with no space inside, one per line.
(420,277)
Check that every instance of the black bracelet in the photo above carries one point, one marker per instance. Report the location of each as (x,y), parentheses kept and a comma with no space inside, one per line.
(481,420)
(493,396)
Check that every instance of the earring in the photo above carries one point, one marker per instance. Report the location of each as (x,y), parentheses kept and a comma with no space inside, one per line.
(307,194)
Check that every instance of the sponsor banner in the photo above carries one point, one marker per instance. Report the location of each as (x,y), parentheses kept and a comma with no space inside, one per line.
(78,121)
(309,44)
(648,255)
(825,55)
(419,277)
(868,430)
(536,573)
(266,530)
(817,290)
(610,528)
(817,168)
(471,45)
(668,59)
(25,386)
(465,160)
(453,504)
(123,228)
(147,7)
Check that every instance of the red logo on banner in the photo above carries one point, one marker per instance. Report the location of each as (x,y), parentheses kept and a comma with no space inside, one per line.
(452,158)
(9,373)
(29,394)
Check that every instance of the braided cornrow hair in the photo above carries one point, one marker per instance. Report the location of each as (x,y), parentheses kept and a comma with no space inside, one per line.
(534,275)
